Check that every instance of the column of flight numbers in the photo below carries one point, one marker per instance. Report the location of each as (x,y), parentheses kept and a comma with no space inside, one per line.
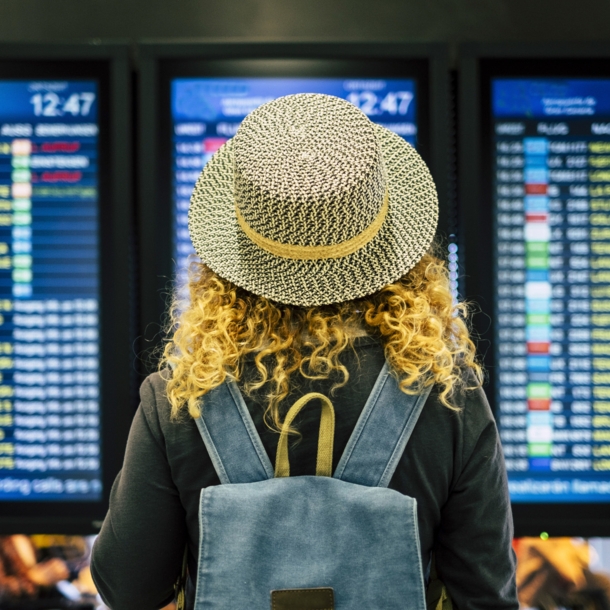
(527,381)
(568,276)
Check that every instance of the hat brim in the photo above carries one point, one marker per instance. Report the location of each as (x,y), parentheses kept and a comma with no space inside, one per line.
(403,239)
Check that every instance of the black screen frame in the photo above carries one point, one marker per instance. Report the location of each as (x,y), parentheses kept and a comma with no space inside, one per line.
(480,63)
(160,61)
(109,64)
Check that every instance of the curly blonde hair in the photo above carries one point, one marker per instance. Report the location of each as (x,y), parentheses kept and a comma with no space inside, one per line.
(421,328)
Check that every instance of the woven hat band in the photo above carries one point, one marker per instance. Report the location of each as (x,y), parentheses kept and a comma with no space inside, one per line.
(311,253)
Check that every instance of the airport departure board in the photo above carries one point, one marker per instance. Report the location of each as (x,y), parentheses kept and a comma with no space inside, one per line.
(551,192)
(206,112)
(49,291)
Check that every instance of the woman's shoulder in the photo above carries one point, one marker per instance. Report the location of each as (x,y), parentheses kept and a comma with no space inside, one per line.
(470,397)
(155,385)
(153,397)
(469,414)
(178,435)
(478,422)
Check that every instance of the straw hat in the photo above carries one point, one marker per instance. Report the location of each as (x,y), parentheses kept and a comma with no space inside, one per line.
(311,203)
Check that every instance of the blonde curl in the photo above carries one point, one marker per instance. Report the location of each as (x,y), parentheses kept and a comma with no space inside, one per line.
(423,332)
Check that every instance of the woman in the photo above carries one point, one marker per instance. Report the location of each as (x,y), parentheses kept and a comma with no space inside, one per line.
(314,227)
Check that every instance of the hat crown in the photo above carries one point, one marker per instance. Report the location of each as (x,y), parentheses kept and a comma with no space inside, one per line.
(308,170)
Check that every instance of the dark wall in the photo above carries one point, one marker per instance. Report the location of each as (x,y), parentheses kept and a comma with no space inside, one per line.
(397,20)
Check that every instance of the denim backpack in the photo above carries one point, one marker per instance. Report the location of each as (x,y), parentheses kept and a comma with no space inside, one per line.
(333,541)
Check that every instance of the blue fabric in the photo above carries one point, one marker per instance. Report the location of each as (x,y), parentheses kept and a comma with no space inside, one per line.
(349,532)
(308,532)
(230,437)
(381,434)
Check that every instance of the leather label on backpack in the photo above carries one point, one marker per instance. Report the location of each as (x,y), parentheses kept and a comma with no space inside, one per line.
(303,599)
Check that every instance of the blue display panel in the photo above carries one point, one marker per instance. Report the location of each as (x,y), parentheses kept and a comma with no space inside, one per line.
(206,112)
(49,291)
(551,188)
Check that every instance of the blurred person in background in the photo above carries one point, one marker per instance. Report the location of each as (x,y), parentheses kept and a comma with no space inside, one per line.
(555,573)
(22,576)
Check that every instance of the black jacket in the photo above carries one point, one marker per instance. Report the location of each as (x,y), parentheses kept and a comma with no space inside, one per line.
(452,466)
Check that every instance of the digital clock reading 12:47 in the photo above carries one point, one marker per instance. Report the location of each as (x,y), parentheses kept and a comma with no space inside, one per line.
(51,104)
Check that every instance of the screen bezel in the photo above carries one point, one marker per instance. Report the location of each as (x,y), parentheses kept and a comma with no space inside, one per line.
(109,67)
(479,65)
(160,63)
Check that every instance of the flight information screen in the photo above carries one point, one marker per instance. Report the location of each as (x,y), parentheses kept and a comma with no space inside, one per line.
(206,112)
(49,291)
(551,192)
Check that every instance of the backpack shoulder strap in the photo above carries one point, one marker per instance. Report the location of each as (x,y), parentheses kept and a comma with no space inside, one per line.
(381,434)
(230,437)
